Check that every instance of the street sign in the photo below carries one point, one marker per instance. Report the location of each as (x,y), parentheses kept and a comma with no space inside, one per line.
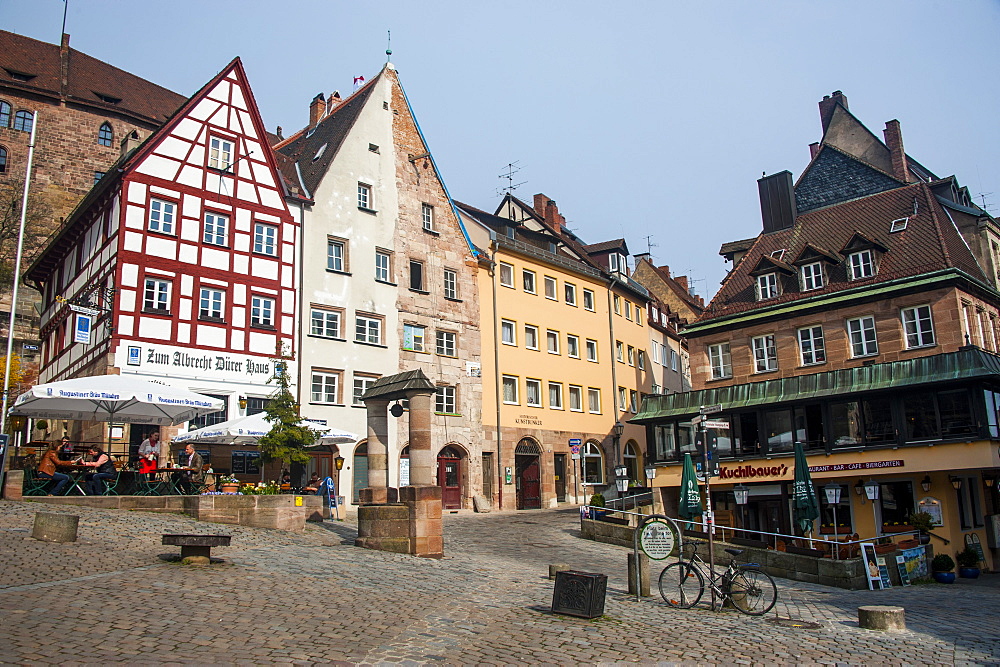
(574,445)
(696,420)
(657,539)
(711,423)
(710,409)
(575,457)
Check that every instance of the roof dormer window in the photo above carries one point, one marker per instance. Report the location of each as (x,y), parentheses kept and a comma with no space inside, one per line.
(20,76)
(811,276)
(767,286)
(861,264)
(898,225)
(107,98)
(616,263)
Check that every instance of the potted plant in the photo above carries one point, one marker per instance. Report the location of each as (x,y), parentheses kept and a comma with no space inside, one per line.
(942,567)
(885,545)
(968,563)
(597,500)
(922,521)
(229,484)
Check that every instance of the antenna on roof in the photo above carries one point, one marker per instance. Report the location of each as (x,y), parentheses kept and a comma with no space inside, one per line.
(983,196)
(388,46)
(508,173)
(65,9)
(650,245)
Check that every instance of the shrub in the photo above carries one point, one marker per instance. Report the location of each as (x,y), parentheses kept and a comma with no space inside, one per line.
(597,500)
(967,557)
(922,521)
(942,563)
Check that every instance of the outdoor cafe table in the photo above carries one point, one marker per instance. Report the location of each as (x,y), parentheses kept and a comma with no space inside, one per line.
(173,486)
(76,474)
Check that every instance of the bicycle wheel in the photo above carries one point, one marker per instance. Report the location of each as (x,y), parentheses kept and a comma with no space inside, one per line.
(753,592)
(681,585)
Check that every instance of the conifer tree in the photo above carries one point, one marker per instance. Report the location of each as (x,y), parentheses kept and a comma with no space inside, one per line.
(287,439)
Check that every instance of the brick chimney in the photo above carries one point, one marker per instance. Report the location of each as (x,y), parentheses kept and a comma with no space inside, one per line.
(317,108)
(333,101)
(549,212)
(777,201)
(683,282)
(64,65)
(894,142)
(828,104)
(665,269)
(813,150)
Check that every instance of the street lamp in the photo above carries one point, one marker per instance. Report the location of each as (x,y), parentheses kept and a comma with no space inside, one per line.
(956,482)
(650,471)
(833,499)
(872,490)
(925,483)
(742,493)
(621,482)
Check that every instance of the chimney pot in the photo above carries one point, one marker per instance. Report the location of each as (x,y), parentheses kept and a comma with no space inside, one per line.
(317,108)
(813,150)
(894,142)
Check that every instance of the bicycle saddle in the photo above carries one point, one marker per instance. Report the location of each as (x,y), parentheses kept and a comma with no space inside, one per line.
(734,552)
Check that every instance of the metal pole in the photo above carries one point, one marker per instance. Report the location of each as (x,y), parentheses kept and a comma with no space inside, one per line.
(708,505)
(17,273)
(836,538)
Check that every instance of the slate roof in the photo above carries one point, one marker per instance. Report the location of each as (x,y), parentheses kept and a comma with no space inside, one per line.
(394,387)
(604,246)
(87,79)
(834,177)
(930,242)
(302,147)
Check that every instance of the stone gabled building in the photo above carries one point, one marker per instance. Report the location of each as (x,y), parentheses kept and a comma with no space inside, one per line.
(861,322)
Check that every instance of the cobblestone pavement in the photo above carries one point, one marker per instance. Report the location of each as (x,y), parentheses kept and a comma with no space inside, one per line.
(315,598)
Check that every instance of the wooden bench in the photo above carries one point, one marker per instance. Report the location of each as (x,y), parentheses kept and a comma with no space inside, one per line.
(197,545)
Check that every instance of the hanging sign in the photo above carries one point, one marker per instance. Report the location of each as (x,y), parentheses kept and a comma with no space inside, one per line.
(83,328)
(657,539)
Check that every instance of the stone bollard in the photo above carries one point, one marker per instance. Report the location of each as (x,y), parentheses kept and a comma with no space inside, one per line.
(558,567)
(881,617)
(643,574)
(51,527)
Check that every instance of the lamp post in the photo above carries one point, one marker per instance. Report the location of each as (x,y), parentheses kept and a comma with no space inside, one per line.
(833,499)
(742,492)
(925,483)
(872,490)
(621,482)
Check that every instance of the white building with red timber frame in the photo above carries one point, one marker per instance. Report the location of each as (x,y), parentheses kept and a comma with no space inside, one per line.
(187,250)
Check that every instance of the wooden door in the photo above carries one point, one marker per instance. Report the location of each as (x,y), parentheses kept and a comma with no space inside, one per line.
(560,474)
(528,483)
(450,481)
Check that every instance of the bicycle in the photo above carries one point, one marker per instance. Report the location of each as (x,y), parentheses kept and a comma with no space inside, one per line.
(750,590)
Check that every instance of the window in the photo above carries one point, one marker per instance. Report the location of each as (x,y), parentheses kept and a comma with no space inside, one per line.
(555,396)
(552,341)
(211,303)
(324,323)
(633,400)
(617,300)
(531,336)
(570,291)
(216,227)
(220,153)
(450,284)
(898,225)
(861,264)
(550,288)
(373,148)
(368,329)
(528,281)
(591,350)
(105,135)
(265,239)
(161,216)
(573,346)
(862,334)
(261,311)
(575,398)
(510,390)
(619,351)
(506,275)
(4,114)
(616,262)
(364,196)
(765,355)
(594,400)
(427,216)
(444,400)
(445,343)
(533,392)
(767,286)
(156,297)
(622,399)
(3,160)
(24,121)
(588,299)
(673,360)
(413,337)
(812,276)
(628,311)
(918,326)
(383,266)
(593,464)
(642,360)
(336,255)
(721,360)
(631,356)
(362,383)
(416,275)
(325,387)
(507,335)
(811,346)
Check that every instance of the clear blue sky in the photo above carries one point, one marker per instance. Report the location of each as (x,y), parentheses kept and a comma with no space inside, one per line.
(639,118)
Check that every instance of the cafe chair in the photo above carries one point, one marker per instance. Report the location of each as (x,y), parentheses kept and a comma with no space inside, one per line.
(35,485)
(111,485)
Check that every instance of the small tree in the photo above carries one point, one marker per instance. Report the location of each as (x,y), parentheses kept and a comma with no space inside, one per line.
(287,439)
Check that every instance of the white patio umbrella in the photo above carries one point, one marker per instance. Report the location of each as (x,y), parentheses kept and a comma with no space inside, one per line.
(114,398)
(239,431)
(335,436)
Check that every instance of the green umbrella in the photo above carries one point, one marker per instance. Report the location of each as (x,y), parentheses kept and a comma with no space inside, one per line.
(804,501)
(689,506)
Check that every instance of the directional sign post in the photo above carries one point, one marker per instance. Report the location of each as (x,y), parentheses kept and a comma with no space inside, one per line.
(710,409)
(712,423)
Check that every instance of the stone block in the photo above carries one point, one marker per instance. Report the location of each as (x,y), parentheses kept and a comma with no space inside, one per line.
(52,527)
(431,546)
(399,545)
(882,617)
(481,504)
(13,485)
(417,493)
(557,567)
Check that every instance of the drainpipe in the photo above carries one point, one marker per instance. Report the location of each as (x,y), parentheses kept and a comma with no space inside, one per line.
(498,378)
(614,358)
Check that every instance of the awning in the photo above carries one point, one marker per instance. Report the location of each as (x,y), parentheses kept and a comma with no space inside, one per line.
(968,363)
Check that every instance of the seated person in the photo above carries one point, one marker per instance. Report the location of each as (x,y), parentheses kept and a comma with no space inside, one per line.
(313,485)
(194,471)
(103,469)
(47,468)
(66,450)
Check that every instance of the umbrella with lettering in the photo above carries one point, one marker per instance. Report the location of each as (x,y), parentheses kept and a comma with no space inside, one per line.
(805,504)
(245,430)
(689,506)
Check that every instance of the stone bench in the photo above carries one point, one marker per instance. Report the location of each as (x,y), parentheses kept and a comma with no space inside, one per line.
(197,545)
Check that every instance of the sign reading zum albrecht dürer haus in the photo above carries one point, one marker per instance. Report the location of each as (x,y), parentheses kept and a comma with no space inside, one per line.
(193,363)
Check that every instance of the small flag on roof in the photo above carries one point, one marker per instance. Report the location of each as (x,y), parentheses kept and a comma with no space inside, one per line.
(358,82)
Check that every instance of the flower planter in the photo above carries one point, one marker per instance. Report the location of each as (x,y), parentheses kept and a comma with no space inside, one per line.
(944,577)
(968,572)
(229,488)
(896,529)
(882,549)
(841,530)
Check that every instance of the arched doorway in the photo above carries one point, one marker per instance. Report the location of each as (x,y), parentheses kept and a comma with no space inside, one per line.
(360,469)
(528,475)
(449,476)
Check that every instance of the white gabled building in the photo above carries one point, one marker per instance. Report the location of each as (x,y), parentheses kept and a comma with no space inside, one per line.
(188,250)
